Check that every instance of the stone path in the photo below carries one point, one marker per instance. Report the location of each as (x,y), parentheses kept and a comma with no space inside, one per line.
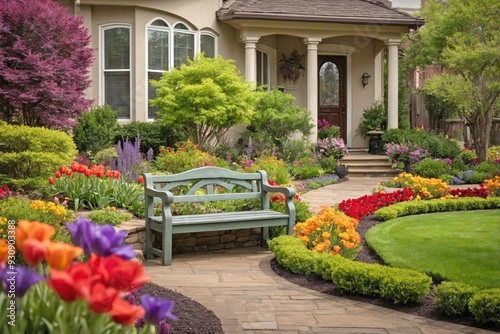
(240,287)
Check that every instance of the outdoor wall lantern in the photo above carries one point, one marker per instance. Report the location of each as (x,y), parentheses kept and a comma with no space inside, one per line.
(364,79)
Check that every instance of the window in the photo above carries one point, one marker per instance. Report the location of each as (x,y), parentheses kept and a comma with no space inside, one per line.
(158,57)
(183,44)
(207,45)
(116,69)
(263,69)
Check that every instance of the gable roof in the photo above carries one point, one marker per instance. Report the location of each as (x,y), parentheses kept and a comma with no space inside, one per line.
(329,11)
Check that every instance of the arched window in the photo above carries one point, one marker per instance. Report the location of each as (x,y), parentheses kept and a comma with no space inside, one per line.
(158,56)
(207,44)
(329,89)
(115,57)
(183,44)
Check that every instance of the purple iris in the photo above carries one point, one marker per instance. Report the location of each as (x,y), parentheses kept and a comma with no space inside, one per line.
(18,280)
(157,309)
(102,240)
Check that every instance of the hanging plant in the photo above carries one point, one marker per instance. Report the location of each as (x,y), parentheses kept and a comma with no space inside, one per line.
(292,68)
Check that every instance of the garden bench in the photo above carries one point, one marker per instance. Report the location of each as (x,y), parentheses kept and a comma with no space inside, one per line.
(211,184)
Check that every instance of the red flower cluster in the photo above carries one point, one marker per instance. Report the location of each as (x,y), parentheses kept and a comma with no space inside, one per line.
(97,170)
(101,282)
(4,192)
(470,192)
(365,205)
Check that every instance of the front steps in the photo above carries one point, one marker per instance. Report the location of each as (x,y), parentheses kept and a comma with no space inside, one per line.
(363,164)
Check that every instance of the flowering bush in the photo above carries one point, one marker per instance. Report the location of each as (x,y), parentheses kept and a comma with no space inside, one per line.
(405,152)
(93,188)
(275,168)
(332,147)
(327,130)
(74,297)
(183,157)
(493,186)
(330,231)
(365,205)
(423,188)
(4,192)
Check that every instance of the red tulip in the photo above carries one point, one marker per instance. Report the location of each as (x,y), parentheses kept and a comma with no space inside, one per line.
(100,298)
(87,173)
(34,251)
(140,179)
(62,169)
(51,180)
(125,313)
(116,174)
(108,173)
(58,174)
(70,283)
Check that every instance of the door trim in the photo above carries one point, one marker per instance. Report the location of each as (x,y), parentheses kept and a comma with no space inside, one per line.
(343,50)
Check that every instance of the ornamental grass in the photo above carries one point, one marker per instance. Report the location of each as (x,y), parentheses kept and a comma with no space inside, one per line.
(330,231)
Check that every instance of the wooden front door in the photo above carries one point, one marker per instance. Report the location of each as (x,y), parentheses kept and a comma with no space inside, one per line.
(332,91)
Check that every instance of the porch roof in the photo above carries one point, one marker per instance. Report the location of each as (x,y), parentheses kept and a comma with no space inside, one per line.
(324,11)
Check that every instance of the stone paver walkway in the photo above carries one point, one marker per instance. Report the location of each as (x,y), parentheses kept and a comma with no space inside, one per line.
(240,287)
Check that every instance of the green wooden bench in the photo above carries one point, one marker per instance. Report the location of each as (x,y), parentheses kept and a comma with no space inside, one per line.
(211,184)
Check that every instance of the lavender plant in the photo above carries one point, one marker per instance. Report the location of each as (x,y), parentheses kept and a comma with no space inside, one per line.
(130,162)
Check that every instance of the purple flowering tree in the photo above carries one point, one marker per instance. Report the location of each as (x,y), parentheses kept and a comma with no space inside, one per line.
(44,62)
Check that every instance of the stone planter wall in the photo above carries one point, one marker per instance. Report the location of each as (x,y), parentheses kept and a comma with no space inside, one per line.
(192,242)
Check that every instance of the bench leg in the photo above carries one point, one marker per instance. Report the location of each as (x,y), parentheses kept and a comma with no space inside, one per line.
(264,236)
(166,250)
(149,243)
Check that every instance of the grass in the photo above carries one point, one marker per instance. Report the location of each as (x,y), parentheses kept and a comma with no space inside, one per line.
(456,246)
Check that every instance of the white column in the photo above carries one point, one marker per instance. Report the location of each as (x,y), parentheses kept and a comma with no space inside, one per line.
(392,83)
(312,84)
(250,58)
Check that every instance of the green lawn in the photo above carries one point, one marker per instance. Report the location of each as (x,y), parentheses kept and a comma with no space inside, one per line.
(457,246)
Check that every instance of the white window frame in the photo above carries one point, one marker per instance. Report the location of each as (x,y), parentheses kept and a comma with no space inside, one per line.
(271,64)
(208,33)
(102,70)
(190,31)
(168,29)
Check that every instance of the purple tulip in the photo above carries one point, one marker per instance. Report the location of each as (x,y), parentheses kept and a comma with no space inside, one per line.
(102,240)
(18,280)
(157,309)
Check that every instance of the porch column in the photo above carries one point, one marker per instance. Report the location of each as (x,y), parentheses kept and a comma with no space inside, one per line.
(250,58)
(392,83)
(312,84)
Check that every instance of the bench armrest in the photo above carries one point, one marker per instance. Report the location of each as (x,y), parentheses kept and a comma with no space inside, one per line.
(289,192)
(166,196)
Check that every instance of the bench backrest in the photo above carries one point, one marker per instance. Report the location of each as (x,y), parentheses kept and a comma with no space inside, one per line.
(209,184)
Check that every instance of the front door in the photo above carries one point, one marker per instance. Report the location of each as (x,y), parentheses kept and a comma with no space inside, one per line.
(332,91)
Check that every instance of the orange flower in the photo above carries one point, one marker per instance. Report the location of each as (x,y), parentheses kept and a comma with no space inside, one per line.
(60,254)
(51,180)
(118,273)
(125,313)
(32,230)
(4,251)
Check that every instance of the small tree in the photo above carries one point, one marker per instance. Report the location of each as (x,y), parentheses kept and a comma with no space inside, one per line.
(463,38)
(44,62)
(276,118)
(204,97)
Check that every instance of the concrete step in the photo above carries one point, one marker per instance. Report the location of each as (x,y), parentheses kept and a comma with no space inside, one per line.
(363,164)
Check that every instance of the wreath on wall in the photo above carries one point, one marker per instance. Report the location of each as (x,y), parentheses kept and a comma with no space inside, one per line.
(292,67)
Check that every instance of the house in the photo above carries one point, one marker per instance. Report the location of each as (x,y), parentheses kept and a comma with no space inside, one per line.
(343,42)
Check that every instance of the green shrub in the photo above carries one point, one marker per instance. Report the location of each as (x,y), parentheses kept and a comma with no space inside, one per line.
(326,130)
(436,205)
(153,135)
(493,153)
(275,168)
(104,157)
(374,118)
(485,306)
(431,168)
(185,156)
(95,129)
(398,285)
(489,168)
(108,216)
(438,145)
(297,150)
(277,118)
(28,155)
(227,152)
(466,156)
(452,298)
